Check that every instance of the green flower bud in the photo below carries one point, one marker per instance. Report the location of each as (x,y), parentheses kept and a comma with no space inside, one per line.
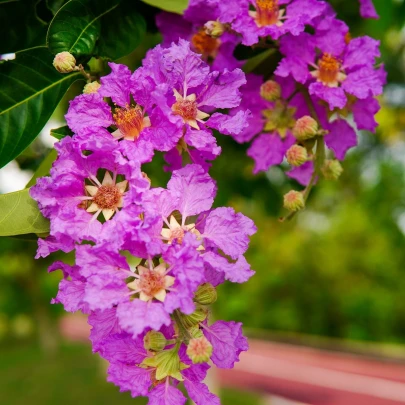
(297,155)
(64,62)
(270,90)
(332,169)
(294,201)
(305,128)
(194,319)
(214,29)
(92,87)
(154,341)
(206,294)
(199,350)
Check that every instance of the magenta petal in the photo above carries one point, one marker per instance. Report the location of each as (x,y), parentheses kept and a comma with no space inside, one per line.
(136,316)
(200,393)
(229,231)
(268,150)
(367,9)
(124,349)
(230,125)
(364,112)
(165,394)
(303,173)
(131,378)
(104,324)
(334,96)
(196,189)
(237,272)
(340,138)
(363,83)
(227,341)
(116,85)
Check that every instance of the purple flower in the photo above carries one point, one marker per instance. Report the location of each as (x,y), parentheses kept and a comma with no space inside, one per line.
(227,341)
(143,297)
(187,93)
(191,191)
(262,18)
(270,123)
(217,52)
(104,324)
(83,189)
(334,74)
(137,125)
(71,288)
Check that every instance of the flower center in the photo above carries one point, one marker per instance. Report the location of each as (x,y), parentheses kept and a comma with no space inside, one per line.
(187,109)
(329,68)
(280,118)
(205,44)
(107,197)
(130,121)
(267,12)
(151,283)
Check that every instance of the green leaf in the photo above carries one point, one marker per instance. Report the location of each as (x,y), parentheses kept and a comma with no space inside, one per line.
(174,6)
(60,133)
(19,27)
(30,90)
(20,215)
(44,167)
(55,5)
(76,26)
(122,30)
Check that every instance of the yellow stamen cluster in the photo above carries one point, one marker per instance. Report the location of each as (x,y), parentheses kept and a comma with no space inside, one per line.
(130,122)
(329,71)
(267,13)
(205,44)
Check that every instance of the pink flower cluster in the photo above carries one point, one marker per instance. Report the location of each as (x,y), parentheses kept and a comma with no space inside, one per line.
(148,259)
(323,73)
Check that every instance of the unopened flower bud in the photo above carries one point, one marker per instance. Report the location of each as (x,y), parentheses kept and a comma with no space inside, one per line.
(92,87)
(154,341)
(206,294)
(305,128)
(64,62)
(199,350)
(195,318)
(332,169)
(270,90)
(294,201)
(214,28)
(297,155)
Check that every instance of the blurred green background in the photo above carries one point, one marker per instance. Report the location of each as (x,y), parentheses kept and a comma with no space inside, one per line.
(336,270)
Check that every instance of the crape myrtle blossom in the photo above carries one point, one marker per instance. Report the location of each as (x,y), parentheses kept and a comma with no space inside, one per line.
(270,123)
(191,192)
(187,94)
(216,48)
(84,192)
(333,75)
(255,19)
(136,123)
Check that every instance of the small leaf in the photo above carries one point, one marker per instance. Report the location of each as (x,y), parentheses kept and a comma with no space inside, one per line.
(60,133)
(30,91)
(44,167)
(76,26)
(19,27)
(122,30)
(20,215)
(174,6)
